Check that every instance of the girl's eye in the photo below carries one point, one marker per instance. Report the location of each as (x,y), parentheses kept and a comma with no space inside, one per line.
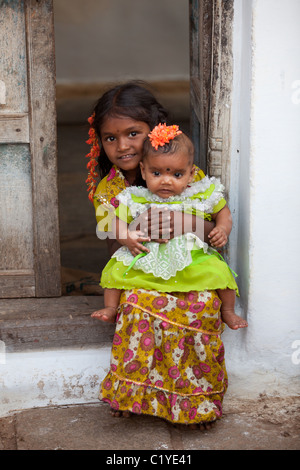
(133,133)
(110,138)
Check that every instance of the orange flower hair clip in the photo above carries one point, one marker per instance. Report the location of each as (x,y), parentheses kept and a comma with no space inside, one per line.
(92,155)
(162,134)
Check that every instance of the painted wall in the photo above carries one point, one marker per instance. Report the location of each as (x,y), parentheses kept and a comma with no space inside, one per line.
(266,193)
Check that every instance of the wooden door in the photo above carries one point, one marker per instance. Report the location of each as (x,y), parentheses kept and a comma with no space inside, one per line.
(211,72)
(29,232)
(200,75)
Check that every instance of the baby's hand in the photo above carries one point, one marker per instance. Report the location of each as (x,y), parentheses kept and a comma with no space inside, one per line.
(218,237)
(134,241)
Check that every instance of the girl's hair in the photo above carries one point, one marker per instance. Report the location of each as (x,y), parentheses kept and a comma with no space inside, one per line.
(131,100)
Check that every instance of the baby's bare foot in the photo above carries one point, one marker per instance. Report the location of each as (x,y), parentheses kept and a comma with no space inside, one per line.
(107,314)
(232,320)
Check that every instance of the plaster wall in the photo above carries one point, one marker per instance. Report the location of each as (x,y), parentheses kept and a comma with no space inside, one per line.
(265,195)
(54,377)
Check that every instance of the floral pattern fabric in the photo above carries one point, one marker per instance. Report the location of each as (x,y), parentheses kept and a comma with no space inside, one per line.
(167,356)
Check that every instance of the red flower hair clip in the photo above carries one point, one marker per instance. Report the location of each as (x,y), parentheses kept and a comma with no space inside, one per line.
(92,155)
(162,134)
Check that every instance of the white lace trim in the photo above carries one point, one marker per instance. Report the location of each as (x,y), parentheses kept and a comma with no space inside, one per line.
(184,201)
(164,260)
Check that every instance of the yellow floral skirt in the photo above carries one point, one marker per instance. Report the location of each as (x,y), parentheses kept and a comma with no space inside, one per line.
(167,357)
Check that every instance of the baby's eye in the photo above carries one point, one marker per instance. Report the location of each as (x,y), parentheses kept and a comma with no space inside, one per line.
(177,175)
(156,173)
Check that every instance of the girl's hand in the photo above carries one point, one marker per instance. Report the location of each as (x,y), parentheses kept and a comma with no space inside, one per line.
(162,224)
(157,224)
(134,241)
(218,237)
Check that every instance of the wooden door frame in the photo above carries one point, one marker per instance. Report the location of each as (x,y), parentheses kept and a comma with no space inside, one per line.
(43,145)
(211,75)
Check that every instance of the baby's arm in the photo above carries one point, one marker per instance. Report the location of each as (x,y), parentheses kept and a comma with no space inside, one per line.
(219,235)
(133,239)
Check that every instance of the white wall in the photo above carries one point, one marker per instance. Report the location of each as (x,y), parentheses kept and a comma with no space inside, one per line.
(266,194)
(51,377)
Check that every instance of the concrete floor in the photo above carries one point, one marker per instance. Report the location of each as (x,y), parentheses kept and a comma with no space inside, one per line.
(265,424)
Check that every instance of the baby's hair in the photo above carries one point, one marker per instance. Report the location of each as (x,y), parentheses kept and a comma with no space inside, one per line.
(180,142)
(131,100)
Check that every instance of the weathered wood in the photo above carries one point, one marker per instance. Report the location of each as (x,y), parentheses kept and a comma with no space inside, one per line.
(211,83)
(220,92)
(13,57)
(31,324)
(29,230)
(196,96)
(200,73)
(17,284)
(41,79)
(194,75)
(16,247)
(14,128)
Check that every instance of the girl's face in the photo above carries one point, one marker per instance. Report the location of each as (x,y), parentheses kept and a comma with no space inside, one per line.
(122,139)
(167,175)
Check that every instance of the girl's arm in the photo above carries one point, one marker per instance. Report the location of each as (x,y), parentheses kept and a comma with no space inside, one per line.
(184,223)
(113,246)
(162,225)
(133,239)
(219,235)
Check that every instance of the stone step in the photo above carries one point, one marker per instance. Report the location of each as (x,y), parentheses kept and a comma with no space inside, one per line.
(61,322)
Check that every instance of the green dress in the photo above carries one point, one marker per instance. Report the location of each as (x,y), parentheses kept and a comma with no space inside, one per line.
(185,263)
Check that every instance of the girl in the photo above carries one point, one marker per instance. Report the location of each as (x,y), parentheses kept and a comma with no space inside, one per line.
(184,329)
(185,263)
(122,119)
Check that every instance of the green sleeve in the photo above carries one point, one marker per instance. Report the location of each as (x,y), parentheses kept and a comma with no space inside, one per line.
(219,206)
(202,215)
(123,213)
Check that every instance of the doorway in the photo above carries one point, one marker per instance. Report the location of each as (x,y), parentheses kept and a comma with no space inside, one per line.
(85,69)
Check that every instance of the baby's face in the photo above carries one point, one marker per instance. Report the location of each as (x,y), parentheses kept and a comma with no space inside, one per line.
(167,175)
